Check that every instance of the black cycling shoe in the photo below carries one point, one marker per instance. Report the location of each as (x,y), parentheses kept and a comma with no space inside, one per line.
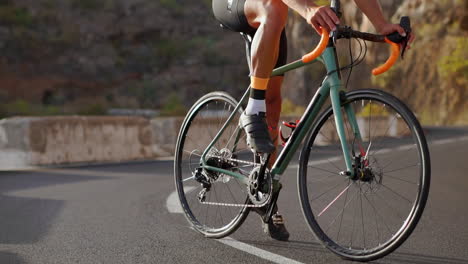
(274,227)
(256,128)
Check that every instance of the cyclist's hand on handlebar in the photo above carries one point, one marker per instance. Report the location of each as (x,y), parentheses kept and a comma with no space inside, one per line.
(389,28)
(322,16)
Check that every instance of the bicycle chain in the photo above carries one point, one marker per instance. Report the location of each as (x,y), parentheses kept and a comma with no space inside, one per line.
(237,205)
(236,160)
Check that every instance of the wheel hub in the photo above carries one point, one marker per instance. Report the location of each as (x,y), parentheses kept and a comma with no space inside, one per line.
(370,174)
(220,159)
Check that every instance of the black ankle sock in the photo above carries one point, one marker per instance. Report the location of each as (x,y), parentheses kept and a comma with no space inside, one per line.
(257,94)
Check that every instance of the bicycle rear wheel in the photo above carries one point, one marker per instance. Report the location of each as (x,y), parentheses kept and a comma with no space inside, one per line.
(224,207)
(368,216)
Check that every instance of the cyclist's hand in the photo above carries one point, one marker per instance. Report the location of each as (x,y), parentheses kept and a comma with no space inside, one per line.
(390,28)
(322,16)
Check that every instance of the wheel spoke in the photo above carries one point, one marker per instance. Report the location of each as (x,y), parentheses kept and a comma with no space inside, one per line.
(211,216)
(356,216)
(334,200)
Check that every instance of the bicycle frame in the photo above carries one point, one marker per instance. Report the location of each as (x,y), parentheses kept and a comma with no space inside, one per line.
(331,86)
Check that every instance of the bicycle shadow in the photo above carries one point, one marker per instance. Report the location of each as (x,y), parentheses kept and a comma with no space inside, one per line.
(396,257)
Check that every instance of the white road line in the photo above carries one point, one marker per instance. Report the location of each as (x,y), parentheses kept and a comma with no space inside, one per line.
(173,202)
(173,206)
(275,258)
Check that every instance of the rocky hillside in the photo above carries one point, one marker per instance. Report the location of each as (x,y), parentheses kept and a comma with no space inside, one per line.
(85,56)
(434,75)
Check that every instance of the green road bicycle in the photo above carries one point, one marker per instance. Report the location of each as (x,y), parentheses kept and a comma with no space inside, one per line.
(364,168)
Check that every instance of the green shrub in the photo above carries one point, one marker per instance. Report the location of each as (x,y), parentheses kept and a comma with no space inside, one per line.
(88,4)
(169,50)
(19,107)
(456,63)
(23,108)
(93,109)
(49,4)
(16,16)
(172,5)
(173,106)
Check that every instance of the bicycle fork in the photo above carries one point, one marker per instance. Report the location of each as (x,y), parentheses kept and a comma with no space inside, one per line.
(337,99)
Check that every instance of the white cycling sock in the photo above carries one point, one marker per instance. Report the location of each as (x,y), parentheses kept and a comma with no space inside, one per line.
(255,106)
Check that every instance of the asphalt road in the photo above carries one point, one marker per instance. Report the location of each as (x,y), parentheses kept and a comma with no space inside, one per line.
(118,213)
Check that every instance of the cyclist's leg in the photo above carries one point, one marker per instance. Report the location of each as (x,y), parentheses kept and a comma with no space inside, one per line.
(268,51)
(273,97)
(269,18)
(273,106)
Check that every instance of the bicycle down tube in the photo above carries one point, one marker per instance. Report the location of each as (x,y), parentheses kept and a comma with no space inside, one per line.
(331,86)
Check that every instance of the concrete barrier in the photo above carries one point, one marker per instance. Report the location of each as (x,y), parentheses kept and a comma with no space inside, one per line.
(33,141)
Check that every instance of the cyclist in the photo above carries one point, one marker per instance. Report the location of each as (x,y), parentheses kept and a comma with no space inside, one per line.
(264,21)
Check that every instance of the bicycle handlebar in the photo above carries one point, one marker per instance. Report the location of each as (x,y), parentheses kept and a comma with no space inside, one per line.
(390,61)
(319,49)
(393,39)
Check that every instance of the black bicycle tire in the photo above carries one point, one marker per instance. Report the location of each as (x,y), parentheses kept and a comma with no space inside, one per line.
(240,218)
(421,200)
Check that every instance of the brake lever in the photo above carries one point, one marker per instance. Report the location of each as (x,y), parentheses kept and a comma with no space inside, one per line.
(405,23)
(403,48)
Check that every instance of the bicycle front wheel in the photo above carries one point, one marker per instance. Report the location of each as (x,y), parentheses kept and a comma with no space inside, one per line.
(367,216)
(219,210)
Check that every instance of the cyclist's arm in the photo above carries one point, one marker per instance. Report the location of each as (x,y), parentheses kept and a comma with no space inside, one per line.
(317,16)
(373,11)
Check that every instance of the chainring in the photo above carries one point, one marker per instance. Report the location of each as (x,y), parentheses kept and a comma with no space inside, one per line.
(260,190)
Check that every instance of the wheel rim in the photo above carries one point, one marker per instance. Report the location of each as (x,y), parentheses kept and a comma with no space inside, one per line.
(198,131)
(364,216)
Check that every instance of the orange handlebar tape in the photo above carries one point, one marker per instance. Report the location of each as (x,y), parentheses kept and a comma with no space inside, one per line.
(259,83)
(391,60)
(319,49)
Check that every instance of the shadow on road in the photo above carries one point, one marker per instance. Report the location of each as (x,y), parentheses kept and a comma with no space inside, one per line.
(397,257)
(420,259)
(10,258)
(25,220)
(14,181)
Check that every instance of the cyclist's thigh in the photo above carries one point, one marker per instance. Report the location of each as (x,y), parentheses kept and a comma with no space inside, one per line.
(283,50)
(230,13)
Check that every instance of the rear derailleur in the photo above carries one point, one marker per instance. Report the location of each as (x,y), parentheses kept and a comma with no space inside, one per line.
(205,182)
